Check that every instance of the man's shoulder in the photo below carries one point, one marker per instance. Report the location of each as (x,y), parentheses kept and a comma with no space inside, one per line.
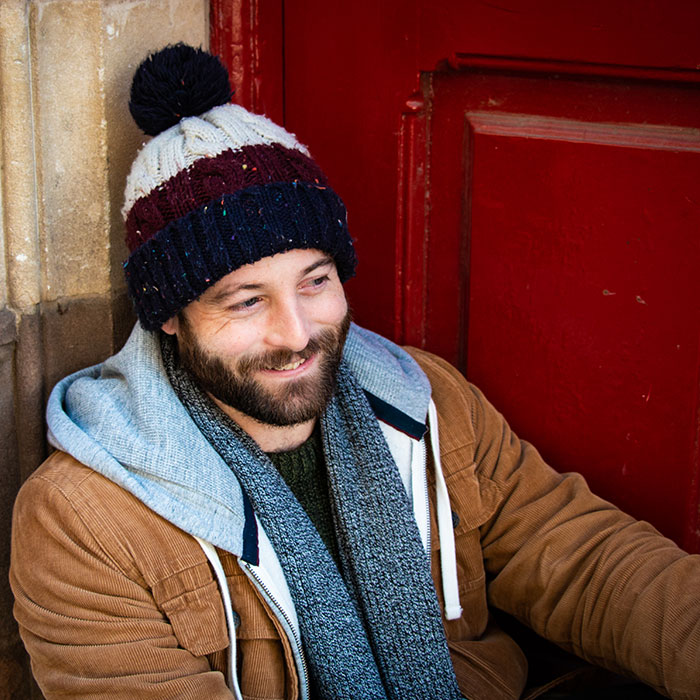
(435,366)
(64,498)
(456,400)
(63,473)
(63,489)
(448,384)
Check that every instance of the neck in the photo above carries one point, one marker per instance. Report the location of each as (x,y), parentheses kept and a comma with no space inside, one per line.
(270,438)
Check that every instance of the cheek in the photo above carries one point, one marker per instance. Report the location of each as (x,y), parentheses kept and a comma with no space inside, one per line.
(236,341)
(334,308)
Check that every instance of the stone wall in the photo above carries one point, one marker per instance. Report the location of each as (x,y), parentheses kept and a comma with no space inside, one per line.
(66,144)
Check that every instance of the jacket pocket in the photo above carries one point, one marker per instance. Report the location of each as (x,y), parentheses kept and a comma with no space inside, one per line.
(195,610)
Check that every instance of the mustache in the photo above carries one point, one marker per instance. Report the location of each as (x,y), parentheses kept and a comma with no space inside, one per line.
(325,341)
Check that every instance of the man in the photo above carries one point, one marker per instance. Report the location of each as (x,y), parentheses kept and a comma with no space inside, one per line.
(244,502)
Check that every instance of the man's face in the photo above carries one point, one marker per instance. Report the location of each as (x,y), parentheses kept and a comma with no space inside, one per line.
(266,339)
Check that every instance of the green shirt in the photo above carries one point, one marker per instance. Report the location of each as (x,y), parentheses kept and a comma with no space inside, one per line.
(304,471)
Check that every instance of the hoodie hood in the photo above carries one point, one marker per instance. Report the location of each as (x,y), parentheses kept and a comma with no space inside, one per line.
(123,419)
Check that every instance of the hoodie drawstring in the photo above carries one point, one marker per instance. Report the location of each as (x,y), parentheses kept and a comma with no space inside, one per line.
(214,560)
(446,534)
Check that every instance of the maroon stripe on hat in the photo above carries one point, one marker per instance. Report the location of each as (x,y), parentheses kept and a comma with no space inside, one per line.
(209,178)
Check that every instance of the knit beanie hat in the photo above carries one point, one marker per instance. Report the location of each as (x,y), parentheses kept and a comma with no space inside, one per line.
(216,188)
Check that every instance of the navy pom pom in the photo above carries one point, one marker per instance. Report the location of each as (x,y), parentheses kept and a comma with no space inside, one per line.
(175,82)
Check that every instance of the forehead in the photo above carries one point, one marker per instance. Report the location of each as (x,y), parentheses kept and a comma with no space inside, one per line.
(285,266)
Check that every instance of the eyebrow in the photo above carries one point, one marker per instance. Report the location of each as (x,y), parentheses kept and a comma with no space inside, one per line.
(325,260)
(253,287)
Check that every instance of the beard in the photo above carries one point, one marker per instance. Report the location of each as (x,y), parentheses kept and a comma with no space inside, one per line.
(234,384)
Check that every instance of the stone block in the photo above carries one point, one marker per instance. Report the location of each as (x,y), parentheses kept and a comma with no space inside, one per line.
(70,146)
(8,327)
(9,470)
(124,318)
(29,394)
(76,333)
(19,268)
(14,682)
(8,436)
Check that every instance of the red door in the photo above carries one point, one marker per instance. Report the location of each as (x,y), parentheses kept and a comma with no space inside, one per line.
(523,184)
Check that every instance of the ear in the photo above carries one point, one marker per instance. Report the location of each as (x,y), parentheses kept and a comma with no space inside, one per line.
(171,326)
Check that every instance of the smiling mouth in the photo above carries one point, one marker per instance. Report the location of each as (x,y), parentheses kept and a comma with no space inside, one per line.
(289,366)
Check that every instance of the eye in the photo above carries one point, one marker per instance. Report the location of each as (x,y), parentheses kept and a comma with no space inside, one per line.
(316,283)
(245,305)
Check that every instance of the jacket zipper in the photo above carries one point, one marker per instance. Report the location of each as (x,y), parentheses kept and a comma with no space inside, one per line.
(283,613)
(427,497)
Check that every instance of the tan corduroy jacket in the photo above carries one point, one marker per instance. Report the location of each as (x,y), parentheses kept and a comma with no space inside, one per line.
(114,601)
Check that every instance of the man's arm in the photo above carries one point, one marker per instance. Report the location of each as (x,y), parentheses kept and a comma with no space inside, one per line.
(91,625)
(568,564)
(582,573)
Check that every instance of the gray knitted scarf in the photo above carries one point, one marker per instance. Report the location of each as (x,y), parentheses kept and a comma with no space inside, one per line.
(372,630)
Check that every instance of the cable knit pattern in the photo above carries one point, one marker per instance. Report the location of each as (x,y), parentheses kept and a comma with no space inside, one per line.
(223,128)
(214,193)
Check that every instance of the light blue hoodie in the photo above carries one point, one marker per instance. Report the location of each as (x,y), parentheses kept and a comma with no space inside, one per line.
(123,419)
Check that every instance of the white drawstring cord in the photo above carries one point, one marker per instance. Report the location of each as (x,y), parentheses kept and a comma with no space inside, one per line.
(448,553)
(214,560)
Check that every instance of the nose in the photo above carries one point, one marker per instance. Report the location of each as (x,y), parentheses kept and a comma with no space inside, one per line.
(288,327)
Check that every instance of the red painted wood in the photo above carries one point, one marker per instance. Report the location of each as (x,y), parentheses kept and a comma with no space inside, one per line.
(582,284)
(454,132)
(412,236)
(223,39)
(356,65)
(501,63)
(248,36)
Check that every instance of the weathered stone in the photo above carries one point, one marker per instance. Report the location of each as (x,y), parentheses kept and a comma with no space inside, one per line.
(76,333)
(8,327)
(29,395)
(123,319)
(129,37)
(9,463)
(70,124)
(13,677)
(15,680)
(20,247)
(8,437)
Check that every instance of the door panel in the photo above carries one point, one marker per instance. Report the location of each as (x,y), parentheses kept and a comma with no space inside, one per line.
(576,251)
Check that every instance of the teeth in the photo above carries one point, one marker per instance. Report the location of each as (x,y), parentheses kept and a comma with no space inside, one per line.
(291,365)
